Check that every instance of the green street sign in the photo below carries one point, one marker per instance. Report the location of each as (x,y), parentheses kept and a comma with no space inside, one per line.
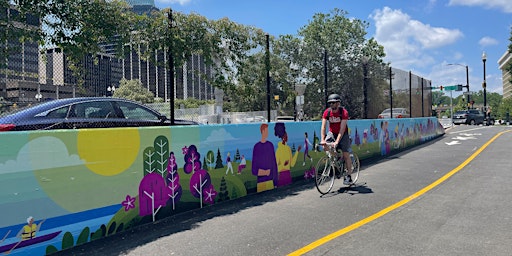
(457,87)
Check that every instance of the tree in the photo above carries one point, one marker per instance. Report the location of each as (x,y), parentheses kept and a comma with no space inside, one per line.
(223,44)
(133,90)
(78,27)
(343,41)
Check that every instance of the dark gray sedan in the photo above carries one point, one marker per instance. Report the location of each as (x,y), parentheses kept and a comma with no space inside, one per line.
(86,112)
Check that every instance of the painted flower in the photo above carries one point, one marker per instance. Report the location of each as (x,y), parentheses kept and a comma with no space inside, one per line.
(129,203)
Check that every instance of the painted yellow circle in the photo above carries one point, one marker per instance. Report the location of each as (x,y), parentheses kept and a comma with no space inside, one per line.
(108,152)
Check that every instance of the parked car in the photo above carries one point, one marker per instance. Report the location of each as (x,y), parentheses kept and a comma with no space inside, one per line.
(85,112)
(397,113)
(472,116)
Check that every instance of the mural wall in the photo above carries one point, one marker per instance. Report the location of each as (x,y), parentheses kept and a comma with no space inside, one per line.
(59,189)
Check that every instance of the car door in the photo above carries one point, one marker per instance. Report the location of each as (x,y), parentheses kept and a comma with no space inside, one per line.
(137,115)
(93,114)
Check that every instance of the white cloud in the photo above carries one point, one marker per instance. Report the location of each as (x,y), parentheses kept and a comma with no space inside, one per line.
(487,41)
(407,41)
(41,153)
(504,5)
(181,2)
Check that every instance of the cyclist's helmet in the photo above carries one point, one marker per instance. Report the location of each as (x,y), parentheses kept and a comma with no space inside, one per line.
(333,98)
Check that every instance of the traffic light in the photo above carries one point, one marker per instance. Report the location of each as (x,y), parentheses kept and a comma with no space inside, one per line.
(441,87)
(459,87)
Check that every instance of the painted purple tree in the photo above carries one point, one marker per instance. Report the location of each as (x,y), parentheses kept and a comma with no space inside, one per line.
(173,181)
(200,183)
(153,194)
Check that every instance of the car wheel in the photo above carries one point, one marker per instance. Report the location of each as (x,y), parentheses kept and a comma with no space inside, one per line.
(472,122)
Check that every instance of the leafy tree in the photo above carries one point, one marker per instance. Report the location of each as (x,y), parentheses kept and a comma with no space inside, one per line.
(343,41)
(133,90)
(78,27)
(505,107)
(222,43)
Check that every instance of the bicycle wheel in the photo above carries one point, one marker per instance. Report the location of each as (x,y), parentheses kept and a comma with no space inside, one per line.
(324,175)
(355,171)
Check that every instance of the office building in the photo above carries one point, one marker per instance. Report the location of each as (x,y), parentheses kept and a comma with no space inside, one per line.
(503,62)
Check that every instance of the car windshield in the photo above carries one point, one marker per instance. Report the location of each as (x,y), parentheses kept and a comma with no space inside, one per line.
(460,112)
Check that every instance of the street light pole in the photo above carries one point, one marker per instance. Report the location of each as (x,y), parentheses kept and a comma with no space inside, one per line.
(484,85)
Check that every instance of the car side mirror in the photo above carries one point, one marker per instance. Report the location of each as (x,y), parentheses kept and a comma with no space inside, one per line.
(163,118)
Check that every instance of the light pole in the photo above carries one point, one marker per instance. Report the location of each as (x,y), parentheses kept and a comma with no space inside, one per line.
(39,96)
(484,85)
(467,80)
(111,90)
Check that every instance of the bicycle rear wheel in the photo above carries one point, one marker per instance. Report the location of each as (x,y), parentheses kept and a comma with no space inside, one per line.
(356,166)
(324,175)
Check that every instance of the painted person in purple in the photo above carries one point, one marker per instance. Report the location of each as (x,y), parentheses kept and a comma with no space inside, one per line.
(264,165)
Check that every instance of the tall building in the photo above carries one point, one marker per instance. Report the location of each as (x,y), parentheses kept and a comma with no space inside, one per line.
(142,6)
(58,81)
(19,59)
(189,82)
(505,75)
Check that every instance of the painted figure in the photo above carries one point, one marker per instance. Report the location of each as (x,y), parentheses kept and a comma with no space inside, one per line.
(228,163)
(264,165)
(307,143)
(284,158)
(242,164)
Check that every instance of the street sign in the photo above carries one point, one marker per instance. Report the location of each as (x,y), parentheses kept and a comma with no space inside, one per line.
(468,93)
(457,87)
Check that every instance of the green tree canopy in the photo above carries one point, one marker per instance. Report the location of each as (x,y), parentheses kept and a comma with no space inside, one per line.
(133,90)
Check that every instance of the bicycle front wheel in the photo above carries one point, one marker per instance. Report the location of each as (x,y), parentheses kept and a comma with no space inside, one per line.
(356,166)
(324,175)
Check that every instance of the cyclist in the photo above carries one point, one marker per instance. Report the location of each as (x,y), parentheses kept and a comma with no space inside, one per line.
(337,117)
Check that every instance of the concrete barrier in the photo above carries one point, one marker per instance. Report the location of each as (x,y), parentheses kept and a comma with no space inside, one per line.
(63,188)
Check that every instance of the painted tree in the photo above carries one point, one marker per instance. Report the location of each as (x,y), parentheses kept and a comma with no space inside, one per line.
(173,181)
(153,194)
(205,166)
(161,146)
(223,193)
(148,160)
(218,163)
(200,183)
(210,158)
(237,156)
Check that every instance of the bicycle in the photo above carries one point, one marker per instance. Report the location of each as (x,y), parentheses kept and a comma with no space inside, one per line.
(331,167)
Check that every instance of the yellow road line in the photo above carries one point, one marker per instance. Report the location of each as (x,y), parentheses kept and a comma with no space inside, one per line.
(390,208)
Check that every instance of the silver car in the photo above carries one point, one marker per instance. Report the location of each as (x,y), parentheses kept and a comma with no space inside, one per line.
(397,113)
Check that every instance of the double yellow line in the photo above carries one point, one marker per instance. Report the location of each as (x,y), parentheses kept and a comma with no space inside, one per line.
(390,208)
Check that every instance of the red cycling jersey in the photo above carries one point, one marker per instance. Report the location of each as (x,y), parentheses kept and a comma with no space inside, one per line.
(335,119)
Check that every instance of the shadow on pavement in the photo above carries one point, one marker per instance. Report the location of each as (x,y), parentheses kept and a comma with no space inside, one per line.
(123,242)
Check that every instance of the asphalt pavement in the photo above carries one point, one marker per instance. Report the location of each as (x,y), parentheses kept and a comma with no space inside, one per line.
(450,196)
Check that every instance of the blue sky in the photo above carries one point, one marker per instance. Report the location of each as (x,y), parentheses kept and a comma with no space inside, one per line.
(422,36)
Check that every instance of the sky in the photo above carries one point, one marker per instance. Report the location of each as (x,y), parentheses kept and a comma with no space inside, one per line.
(421,36)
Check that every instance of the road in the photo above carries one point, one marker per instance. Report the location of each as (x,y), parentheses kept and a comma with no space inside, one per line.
(451,196)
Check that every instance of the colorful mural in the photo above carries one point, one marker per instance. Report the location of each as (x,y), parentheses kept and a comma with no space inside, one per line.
(59,189)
